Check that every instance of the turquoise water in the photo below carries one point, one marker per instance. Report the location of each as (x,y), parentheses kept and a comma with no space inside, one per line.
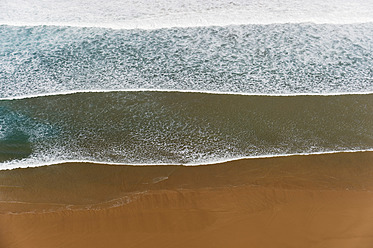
(249,59)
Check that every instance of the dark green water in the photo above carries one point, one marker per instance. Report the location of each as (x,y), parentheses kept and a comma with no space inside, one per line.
(171,127)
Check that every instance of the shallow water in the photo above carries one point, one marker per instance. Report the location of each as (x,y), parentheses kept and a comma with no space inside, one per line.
(187,128)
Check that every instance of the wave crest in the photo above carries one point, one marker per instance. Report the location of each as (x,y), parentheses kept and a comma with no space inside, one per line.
(131,14)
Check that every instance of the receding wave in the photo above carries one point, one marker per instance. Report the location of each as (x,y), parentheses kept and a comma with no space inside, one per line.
(179,128)
(133,14)
(186,91)
(287,59)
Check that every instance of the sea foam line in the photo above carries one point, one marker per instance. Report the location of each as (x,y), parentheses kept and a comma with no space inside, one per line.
(149,26)
(24,163)
(185,91)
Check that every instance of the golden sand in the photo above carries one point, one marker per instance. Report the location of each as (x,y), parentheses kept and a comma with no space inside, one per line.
(298,201)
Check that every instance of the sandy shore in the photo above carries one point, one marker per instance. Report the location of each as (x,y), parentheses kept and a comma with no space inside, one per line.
(299,201)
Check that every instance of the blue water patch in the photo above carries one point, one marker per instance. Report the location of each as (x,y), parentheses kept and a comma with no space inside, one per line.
(19,132)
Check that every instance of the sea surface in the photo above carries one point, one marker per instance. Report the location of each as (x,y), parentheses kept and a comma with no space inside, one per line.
(183,82)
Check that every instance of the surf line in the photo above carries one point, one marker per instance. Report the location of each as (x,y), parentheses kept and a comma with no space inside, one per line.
(26,163)
(149,24)
(184,91)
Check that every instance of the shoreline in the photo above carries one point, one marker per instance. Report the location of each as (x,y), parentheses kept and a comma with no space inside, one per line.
(217,162)
(133,24)
(295,94)
(298,201)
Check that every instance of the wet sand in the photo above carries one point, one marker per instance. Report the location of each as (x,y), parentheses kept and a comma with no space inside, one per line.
(298,201)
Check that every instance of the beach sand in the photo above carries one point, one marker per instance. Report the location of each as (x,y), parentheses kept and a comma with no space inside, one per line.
(296,201)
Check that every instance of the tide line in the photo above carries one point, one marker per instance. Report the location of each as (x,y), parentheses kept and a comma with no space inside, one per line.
(25,163)
(185,91)
(150,24)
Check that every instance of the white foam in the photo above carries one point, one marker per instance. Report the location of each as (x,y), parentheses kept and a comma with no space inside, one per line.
(156,14)
(184,91)
(275,59)
(31,163)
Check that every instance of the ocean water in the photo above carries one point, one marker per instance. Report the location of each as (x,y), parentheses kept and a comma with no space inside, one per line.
(248,59)
(170,82)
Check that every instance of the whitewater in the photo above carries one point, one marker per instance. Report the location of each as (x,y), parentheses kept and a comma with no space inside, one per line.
(276,59)
(156,14)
